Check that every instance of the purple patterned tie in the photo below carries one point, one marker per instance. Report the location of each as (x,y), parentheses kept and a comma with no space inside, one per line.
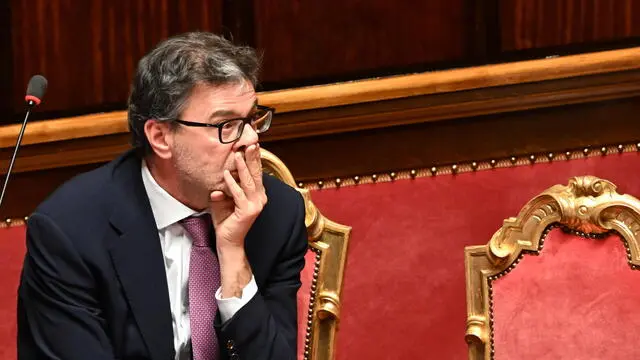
(204,280)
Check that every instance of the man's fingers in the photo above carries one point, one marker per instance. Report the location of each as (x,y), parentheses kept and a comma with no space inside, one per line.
(255,165)
(246,179)
(218,196)
(236,191)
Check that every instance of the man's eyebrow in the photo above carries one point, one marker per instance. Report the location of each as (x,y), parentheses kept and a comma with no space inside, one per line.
(228,113)
(223,113)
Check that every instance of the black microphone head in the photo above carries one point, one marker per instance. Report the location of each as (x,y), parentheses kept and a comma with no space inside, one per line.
(36,89)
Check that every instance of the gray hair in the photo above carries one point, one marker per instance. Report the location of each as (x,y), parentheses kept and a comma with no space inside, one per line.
(166,76)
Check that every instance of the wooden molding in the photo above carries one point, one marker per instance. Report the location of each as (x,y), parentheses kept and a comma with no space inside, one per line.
(455,105)
(296,107)
(70,128)
(454,80)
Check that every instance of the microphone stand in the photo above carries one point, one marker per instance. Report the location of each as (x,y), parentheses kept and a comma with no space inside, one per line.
(15,151)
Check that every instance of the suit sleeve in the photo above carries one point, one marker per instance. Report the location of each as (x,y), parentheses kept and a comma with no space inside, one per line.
(266,327)
(58,312)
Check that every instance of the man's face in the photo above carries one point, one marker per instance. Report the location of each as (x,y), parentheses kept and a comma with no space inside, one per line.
(199,157)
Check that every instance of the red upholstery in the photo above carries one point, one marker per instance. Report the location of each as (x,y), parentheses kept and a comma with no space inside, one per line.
(11,255)
(404,286)
(577,300)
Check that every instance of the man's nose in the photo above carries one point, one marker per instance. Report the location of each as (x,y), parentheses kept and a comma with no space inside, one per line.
(249,137)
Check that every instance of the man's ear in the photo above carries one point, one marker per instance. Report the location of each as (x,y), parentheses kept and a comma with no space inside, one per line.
(158,134)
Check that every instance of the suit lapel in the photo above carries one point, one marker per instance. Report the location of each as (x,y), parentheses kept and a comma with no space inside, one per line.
(138,260)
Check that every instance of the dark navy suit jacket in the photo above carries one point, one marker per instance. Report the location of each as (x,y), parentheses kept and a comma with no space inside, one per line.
(94,287)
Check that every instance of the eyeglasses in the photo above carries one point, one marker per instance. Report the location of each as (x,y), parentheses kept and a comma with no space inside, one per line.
(231,130)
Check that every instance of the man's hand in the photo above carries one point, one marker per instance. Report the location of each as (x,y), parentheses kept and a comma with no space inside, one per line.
(233,217)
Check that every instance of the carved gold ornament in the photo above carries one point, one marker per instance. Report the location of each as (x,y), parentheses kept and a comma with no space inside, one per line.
(588,206)
(328,240)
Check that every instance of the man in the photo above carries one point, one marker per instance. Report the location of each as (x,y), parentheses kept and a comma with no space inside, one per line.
(181,248)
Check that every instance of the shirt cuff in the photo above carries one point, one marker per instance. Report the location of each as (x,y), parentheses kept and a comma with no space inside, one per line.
(229,306)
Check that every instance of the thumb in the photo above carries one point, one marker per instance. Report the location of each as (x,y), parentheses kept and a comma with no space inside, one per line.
(221,206)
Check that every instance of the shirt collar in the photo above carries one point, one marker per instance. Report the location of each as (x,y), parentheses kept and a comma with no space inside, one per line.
(166,209)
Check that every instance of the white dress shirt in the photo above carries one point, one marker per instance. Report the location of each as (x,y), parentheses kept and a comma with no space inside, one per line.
(176,249)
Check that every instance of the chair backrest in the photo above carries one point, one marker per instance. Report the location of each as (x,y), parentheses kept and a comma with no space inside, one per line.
(12,250)
(560,280)
(319,299)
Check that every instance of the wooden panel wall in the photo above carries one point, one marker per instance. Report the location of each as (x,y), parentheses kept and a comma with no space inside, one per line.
(88,50)
(6,62)
(528,24)
(315,39)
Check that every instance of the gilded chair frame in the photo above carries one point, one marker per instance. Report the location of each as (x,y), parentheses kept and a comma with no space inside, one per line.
(328,240)
(587,206)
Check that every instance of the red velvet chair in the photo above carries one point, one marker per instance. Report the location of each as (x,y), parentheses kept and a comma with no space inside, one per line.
(559,281)
(12,250)
(319,300)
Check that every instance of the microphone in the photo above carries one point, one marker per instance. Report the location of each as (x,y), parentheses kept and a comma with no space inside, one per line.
(35,92)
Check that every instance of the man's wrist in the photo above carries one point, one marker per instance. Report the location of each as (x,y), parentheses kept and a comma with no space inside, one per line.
(235,271)
(230,306)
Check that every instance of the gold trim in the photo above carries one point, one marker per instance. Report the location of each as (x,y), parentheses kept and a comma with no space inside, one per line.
(7,223)
(472,166)
(329,241)
(588,205)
